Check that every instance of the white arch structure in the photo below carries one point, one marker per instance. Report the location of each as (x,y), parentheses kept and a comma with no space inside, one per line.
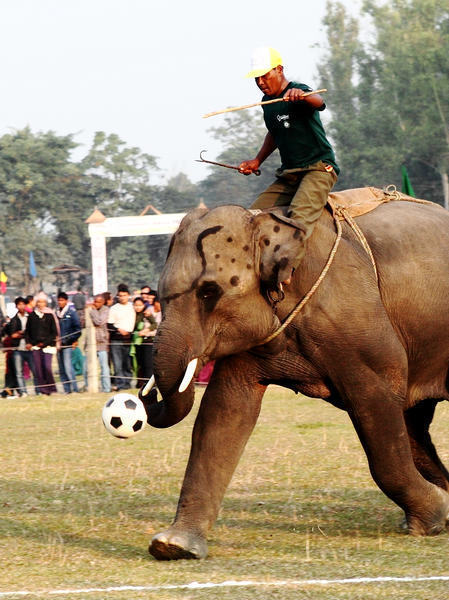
(101,228)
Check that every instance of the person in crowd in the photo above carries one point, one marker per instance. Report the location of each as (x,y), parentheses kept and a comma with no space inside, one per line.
(142,342)
(154,306)
(99,314)
(70,328)
(308,169)
(41,333)
(108,299)
(108,302)
(11,384)
(21,356)
(78,364)
(3,319)
(53,302)
(30,303)
(79,302)
(145,292)
(121,322)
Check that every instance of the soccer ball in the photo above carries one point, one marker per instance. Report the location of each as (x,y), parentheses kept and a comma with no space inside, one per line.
(124,415)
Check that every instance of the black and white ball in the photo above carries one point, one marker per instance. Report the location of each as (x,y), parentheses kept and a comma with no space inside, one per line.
(124,415)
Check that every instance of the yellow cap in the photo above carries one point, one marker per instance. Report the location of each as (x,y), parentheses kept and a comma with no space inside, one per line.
(263,60)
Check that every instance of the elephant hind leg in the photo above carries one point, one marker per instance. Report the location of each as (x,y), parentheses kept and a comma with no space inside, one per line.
(425,457)
(383,433)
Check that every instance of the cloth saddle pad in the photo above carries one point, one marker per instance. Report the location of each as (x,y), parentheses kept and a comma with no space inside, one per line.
(359,201)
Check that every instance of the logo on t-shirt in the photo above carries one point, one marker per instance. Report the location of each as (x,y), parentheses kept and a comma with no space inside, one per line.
(285,119)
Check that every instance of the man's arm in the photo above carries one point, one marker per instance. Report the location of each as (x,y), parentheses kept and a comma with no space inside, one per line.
(14,328)
(28,340)
(53,328)
(76,326)
(267,148)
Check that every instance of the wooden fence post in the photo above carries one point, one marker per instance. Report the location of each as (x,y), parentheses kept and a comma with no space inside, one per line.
(91,354)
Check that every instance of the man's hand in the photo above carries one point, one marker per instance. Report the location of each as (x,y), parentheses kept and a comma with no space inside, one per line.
(249,166)
(294,95)
(298,95)
(75,344)
(17,334)
(123,332)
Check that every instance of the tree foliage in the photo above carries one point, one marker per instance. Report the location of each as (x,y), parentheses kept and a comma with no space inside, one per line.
(34,169)
(389,93)
(115,173)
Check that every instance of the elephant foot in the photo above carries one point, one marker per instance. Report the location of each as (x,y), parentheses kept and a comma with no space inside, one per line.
(174,545)
(436,522)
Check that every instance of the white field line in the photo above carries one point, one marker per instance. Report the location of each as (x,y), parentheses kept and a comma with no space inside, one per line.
(201,586)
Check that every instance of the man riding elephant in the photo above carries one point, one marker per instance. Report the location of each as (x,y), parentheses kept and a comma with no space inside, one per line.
(309,170)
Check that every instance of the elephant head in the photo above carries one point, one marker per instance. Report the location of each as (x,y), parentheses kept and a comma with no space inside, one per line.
(213,293)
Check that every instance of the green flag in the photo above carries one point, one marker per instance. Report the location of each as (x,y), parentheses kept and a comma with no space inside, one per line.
(406,185)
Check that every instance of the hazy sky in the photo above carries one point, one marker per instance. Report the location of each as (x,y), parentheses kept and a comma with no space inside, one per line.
(146,70)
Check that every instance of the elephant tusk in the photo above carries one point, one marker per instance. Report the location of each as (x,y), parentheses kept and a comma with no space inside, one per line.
(148,386)
(190,371)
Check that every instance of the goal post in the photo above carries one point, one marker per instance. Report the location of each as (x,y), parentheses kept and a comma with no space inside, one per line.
(101,228)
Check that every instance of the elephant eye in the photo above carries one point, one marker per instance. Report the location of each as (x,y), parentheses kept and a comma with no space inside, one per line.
(210,292)
(209,289)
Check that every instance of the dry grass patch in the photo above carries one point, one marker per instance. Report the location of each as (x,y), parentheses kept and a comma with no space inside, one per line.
(78,507)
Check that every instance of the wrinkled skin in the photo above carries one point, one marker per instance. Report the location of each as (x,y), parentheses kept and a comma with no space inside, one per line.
(379,352)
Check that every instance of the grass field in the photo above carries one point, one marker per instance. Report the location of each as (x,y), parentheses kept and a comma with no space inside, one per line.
(78,508)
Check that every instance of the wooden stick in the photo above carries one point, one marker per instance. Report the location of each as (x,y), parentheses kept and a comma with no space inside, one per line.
(219,112)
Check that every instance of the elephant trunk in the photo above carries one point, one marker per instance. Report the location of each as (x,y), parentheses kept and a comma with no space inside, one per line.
(173,376)
(170,410)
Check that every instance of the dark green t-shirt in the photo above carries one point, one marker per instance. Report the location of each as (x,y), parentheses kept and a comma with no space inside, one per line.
(298,132)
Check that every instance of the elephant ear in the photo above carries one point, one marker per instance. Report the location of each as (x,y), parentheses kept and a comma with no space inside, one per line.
(279,239)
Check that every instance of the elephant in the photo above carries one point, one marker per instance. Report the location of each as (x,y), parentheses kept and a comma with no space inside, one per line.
(374,346)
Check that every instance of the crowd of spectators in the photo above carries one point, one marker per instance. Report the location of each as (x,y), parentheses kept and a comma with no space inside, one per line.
(124,324)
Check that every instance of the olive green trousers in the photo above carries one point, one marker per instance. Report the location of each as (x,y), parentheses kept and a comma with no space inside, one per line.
(306,191)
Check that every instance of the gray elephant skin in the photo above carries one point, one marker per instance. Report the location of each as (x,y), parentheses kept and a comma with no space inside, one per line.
(377,349)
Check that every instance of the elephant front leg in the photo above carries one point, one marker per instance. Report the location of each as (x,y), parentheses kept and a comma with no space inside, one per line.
(383,433)
(229,410)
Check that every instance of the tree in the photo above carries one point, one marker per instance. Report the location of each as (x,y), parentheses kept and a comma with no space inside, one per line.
(136,260)
(413,50)
(115,179)
(15,246)
(181,183)
(33,167)
(389,97)
(115,173)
